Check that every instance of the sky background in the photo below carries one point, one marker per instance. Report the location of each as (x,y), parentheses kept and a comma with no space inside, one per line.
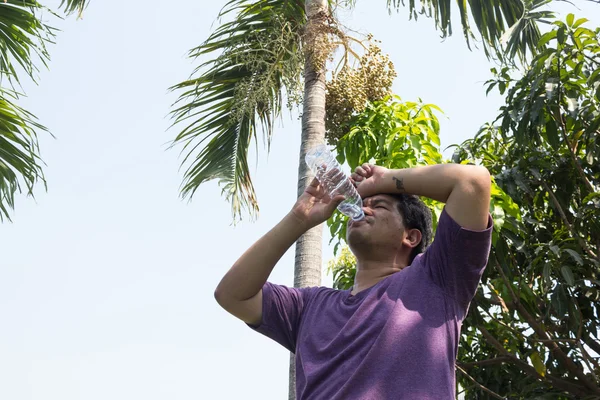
(107,279)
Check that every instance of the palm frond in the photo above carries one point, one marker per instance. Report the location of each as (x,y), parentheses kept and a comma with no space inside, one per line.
(19,160)
(74,6)
(23,39)
(523,36)
(236,93)
(498,22)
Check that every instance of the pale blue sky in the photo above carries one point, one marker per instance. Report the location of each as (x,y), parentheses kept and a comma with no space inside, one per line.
(107,280)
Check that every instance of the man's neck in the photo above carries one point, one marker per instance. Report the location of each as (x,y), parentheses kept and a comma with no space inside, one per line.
(368,273)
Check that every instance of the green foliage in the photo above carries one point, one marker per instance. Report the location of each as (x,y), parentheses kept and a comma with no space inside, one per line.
(257,57)
(507,28)
(19,160)
(393,134)
(72,6)
(398,134)
(533,326)
(343,269)
(23,40)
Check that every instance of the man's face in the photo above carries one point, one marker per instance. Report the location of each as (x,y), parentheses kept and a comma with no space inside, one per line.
(382,226)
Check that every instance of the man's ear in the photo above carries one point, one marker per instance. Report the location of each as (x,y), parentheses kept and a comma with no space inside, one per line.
(413,237)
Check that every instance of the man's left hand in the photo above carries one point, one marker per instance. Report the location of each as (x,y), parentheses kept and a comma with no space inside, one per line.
(368,179)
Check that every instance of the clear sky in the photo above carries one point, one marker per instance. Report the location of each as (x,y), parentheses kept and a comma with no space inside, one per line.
(107,279)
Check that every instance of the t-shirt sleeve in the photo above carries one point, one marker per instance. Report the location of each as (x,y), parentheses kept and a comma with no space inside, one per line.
(281,313)
(457,258)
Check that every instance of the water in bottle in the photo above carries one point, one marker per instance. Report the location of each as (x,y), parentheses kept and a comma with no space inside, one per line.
(329,173)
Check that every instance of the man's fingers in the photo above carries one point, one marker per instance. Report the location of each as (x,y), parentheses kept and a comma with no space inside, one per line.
(338,199)
(356,177)
(367,168)
(336,202)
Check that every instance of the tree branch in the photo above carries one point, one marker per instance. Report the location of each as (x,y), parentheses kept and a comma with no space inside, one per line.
(588,361)
(553,340)
(559,383)
(479,385)
(563,216)
(584,354)
(483,363)
(594,345)
(559,120)
(496,320)
(557,351)
(591,359)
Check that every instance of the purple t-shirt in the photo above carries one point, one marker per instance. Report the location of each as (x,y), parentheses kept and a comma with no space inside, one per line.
(395,340)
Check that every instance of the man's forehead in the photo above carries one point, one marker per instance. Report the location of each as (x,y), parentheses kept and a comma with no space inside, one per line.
(380,197)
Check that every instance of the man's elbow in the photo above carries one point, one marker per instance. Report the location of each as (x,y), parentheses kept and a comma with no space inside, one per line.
(224,298)
(220,296)
(480,179)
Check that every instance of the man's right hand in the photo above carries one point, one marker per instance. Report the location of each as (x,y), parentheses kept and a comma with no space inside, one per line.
(315,206)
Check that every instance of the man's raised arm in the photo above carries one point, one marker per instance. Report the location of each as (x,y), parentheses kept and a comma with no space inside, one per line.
(464,188)
(240,290)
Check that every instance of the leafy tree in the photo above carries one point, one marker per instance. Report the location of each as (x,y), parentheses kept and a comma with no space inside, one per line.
(532,331)
(534,324)
(23,40)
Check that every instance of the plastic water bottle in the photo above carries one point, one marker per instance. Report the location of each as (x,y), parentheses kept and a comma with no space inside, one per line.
(329,173)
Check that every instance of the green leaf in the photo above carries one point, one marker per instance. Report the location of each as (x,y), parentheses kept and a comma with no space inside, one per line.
(490,87)
(590,158)
(594,76)
(502,87)
(569,20)
(591,197)
(552,134)
(575,256)
(547,271)
(560,35)
(546,37)
(559,301)
(416,143)
(498,216)
(579,22)
(538,364)
(566,272)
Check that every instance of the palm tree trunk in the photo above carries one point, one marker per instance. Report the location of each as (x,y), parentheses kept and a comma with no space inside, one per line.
(307,269)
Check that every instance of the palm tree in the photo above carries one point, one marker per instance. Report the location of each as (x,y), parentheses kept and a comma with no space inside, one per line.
(23,39)
(263,52)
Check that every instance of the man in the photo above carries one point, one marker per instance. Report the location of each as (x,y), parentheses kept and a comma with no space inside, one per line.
(395,334)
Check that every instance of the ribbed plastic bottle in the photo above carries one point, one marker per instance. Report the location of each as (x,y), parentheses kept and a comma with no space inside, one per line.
(329,173)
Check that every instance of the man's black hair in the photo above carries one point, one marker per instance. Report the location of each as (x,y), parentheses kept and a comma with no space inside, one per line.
(416,215)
